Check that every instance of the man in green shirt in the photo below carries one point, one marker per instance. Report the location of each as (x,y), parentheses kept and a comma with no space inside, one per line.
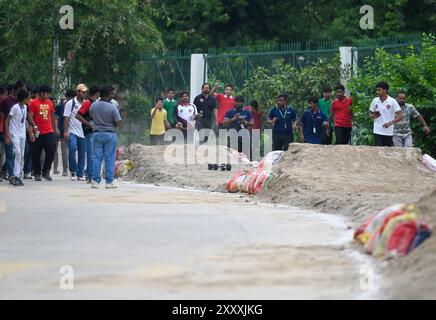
(169,105)
(324,105)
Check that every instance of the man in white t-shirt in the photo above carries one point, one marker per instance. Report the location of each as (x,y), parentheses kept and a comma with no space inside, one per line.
(73,133)
(385,112)
(15,127)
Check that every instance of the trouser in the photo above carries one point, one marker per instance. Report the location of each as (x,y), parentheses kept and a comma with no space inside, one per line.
(2,143)
(343,135)
(105,144)
(64,155)
(19,146)
(89,154)
(204,124)
(403,141)
(281,141)
(76,145)
(327,140)
(9,163)
(44,142)
(383,141)
(157,139)
(27,157)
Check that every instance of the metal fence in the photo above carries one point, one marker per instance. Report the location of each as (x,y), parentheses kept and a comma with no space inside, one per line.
(236,64)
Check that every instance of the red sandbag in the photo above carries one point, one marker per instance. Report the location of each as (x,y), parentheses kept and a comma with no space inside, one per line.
(401,238)
(234,185)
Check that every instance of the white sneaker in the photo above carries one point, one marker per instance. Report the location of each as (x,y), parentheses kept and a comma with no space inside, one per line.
(81,179)
(94,184)
(73,177)
(111,186)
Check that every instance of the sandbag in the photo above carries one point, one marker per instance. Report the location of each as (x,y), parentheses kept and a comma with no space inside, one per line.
(234,185)
(429,162)
(423,232)
(123,167)
(251,176)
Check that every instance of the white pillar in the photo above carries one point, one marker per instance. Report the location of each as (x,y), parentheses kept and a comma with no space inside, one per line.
(198,74)
(348,61)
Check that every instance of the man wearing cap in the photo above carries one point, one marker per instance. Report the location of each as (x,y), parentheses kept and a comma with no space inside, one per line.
(73,133)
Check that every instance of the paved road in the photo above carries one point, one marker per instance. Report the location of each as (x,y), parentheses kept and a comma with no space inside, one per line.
(144,242)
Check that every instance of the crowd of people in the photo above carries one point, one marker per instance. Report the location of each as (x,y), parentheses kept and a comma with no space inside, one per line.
(33,126)
(325,121)
(83,125)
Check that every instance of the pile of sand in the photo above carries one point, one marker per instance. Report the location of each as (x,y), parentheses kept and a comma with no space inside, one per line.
(152,167)
(354,181)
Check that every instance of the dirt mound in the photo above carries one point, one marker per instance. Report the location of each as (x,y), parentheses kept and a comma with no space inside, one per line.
(355,181)
(160,165)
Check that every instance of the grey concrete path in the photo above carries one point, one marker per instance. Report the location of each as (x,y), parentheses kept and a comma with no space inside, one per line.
(144,242)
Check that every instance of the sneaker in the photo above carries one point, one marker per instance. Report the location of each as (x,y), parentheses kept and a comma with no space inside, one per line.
(88,181)
(111,186)
(56,172)
(15,181)
(20,182)
(73,176)
(65,174)
(94,184)
(47,177)
(27,176)
(37,177)
(12,180)
(81,179)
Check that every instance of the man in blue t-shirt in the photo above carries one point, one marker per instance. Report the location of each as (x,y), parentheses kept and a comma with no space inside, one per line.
(312,123)
(282,117)
(240,120)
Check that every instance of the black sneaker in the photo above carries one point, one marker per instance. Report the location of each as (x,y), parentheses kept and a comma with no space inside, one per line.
(15,181)
(37,177)
(20,182)
(47,177)
(12,180)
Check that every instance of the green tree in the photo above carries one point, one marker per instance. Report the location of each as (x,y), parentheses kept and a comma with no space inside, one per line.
(105,44)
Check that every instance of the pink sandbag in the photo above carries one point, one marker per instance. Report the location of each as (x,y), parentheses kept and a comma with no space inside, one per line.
(429,162)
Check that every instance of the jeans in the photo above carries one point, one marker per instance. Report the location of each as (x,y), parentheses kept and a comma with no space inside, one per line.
(64,154)
(105,144)
(89,155)
(44,142)
(9,159)
(403,141)
(76,144)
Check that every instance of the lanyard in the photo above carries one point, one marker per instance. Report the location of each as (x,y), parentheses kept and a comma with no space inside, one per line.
(22,113)
(283,115)
(314,121)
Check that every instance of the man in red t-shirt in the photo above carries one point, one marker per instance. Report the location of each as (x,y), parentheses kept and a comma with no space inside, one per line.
(226,102)
(342,115)
(41,118)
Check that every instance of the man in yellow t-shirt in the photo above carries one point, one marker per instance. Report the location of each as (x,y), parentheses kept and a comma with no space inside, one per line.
(159,123)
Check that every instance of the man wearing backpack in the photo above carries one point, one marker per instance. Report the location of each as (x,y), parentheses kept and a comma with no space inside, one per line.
(73,133)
